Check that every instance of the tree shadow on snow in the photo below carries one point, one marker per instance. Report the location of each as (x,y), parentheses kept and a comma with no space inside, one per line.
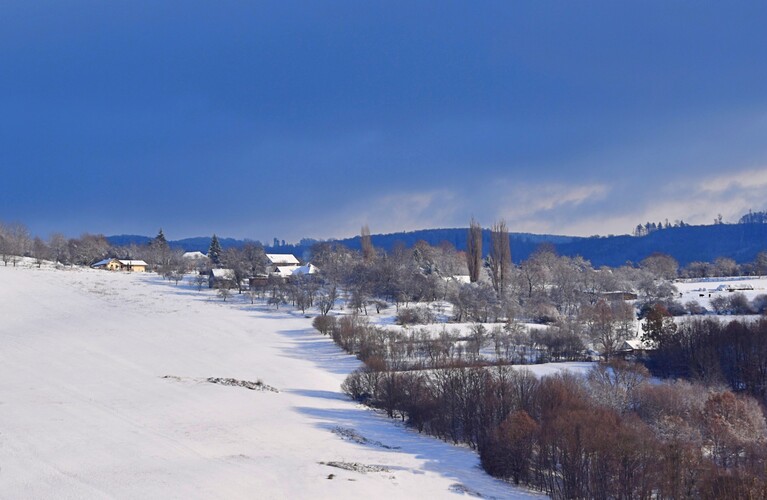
(457,463)
(309,393)
(309,345)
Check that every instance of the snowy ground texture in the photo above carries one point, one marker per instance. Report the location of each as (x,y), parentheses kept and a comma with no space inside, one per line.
(118,385)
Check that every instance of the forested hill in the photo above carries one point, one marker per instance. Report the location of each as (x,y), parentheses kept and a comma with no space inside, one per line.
(740,242)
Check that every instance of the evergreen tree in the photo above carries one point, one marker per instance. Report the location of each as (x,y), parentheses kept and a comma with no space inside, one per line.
(159,251)
(160,238)
(214,251)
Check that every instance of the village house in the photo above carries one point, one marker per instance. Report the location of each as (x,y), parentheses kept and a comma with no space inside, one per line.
(281,264)
(138,266)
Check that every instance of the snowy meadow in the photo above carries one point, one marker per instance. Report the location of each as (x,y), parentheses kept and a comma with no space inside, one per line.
(125,385)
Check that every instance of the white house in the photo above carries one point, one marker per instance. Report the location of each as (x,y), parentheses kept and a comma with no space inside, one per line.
(282,259)
(281,264)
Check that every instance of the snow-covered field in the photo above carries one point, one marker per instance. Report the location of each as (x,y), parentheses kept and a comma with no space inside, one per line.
(703,290)
(104,393)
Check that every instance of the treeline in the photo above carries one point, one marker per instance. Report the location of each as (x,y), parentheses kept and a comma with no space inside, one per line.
(753,218)
(651,227)
(732,353)
(421,349)
(608,435)
(579,301)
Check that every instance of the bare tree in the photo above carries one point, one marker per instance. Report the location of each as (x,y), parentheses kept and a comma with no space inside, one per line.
(474,250)
(5,245)
(88,249)
(59,248)
(40,251)
(224,293)
(234,259)
(661,265)
(366,244)
(200,280)
(499,260)
(18,241)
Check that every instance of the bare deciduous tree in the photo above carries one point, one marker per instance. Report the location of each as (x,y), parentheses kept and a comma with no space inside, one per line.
(474,250)
(366,244)
(499,260)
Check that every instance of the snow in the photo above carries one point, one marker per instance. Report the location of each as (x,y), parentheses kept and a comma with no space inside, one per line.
(282,259)
(194,255)
(123,385)
(704,289)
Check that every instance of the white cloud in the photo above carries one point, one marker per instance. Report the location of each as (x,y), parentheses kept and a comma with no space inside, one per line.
(394,212)
(747,180)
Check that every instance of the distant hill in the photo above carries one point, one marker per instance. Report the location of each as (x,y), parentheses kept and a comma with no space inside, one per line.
(740,242)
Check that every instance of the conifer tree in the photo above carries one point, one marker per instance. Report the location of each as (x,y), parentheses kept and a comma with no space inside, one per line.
(160,238)
(159,251)
(214,251)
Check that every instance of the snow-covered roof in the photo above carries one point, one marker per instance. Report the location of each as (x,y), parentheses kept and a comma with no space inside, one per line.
(222,273)
(461,278)
(734,287)
(282,259)
(102,263)
(307,269)
(285,271)
(133,262)
(635,345)
(194,255)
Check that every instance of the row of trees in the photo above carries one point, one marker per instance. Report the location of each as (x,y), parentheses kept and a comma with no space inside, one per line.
(732,353)
(17,242)
(608,435)
(651,227)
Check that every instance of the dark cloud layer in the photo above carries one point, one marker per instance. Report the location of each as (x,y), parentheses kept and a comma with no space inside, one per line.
(290,119)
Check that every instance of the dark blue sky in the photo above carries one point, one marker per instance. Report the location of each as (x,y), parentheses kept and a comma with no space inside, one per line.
(293,119)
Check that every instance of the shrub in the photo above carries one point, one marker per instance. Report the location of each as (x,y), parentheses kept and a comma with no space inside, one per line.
(415,316)
(324,324)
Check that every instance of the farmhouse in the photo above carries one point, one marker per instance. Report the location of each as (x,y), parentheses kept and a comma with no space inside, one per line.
(281,264)
(634,348)
(734,287)
(138,266)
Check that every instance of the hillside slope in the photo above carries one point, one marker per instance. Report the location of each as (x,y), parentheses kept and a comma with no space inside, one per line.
(104,392)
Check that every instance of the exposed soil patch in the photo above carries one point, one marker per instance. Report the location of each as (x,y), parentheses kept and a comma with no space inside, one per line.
(356,467)
(354,436)
(253,386)
(258,385)
(465,490)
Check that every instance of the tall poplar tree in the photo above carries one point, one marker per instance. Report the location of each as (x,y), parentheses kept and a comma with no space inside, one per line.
(366,244)
(474,250)
(499,259)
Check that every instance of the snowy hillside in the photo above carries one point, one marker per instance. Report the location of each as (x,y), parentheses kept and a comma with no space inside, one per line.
(105,392)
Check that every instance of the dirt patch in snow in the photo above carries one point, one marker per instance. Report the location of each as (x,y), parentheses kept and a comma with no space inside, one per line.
(253,386)
(258,385)
(354,436)
(464,490)
(356,467)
